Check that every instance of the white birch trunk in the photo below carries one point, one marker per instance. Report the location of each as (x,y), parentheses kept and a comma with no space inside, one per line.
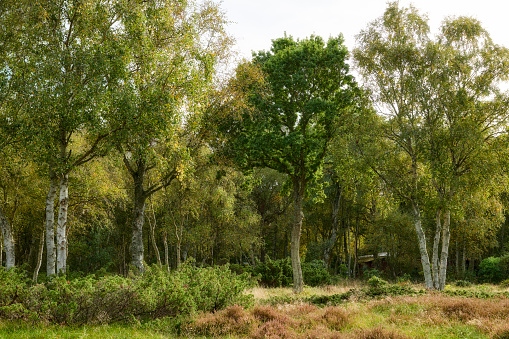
(166,254)
(138,220)
(421,237)
(8,241)
(39,258)
(63,202)
(50,227)
(153,237)
(436,243)
(446,237)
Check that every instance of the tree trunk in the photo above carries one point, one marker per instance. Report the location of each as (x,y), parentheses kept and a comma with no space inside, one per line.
(298,281)
(166,254)
(138,220)
(153,237)
(50,226)
(8,241)
(421,237)
(335,222)
(464,260)
(62,225)
(39,258)
(446,237)
(436,243)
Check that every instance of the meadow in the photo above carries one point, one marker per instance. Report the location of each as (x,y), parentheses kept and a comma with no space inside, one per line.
(348,309)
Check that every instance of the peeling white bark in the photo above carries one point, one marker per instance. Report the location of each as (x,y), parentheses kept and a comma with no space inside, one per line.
(446,237)
(8,241)
(50,227)
(62,225)
(421,237)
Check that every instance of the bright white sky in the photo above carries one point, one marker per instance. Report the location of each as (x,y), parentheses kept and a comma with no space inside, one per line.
(256,22)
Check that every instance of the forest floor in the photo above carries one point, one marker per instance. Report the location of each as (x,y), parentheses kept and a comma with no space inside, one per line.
(480,311)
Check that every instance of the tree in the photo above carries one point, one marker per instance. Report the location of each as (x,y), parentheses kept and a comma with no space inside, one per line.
(295,96)
(442,110)
(61,63)
(170,51)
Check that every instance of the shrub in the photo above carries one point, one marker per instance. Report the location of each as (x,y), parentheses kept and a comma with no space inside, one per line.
(462,283)
(490,270)
(332,300)
(274,273)
(107,299)
(315,273)
(372,273)
(233,320)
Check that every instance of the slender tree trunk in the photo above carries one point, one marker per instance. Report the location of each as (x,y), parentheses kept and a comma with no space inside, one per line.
(446,237)
(421,237)
(464,260)
(356,237)
(62,225)
(349,250)
(39,258)
(335,223)
(166,254)
(8,241)
(50,226)
(298,281)
(153,237)
(457,260)
(138,220)
(1,250)
(436,243)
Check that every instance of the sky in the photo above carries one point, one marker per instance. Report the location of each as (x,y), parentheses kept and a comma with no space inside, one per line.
(254,23)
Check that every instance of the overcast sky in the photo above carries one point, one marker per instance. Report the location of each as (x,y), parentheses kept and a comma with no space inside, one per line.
(256,22)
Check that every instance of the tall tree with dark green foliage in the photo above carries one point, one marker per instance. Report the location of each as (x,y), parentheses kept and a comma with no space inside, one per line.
(293,99)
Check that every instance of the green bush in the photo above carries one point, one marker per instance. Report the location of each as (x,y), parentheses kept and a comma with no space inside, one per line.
(372,273)
(462,283)
(274,273)
(315,273)
(378,287)
(108,299)
(491,270)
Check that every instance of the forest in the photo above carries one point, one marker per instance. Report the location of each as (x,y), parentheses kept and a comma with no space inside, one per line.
(127,143)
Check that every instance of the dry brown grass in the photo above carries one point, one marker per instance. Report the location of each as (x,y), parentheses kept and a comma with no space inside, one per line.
(423,316)
(233,319)
(379,333)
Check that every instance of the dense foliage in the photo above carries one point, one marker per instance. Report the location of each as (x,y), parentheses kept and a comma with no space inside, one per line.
(112,298)
(122,148)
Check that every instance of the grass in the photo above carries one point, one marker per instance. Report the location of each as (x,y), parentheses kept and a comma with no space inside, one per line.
(278,313)
(25,331)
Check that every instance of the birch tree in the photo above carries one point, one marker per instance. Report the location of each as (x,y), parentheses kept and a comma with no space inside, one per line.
(171,50)
(442,110)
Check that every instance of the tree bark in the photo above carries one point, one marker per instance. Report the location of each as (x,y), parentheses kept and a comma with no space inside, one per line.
(62,225)
(336,203)
(50,226)
(138,219)
(421,237)
(39,258)
(298,281)
(166,254)
(153,237)
(8,241)
(446,237)
(436,243)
